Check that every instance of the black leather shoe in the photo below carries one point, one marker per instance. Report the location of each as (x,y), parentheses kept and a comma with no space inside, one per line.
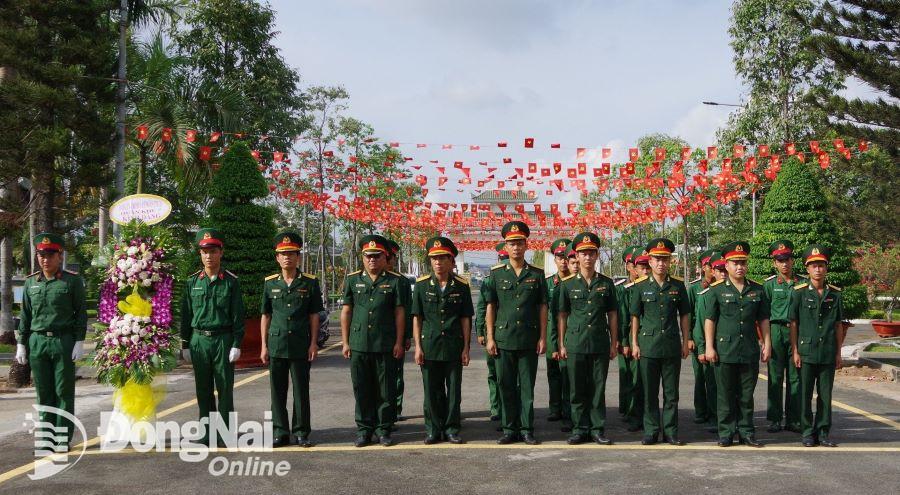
(576,439)
(673,441)
(554,417)
(385,440)
(634,428)
(751,441)
(280,442)
(726,442)
(495,417)
(826,442)
(529,439)
(648,441)
(362,441)
(454,438)
(302,441)
(566,428)
(507,439)
(601,440)
(431,440)
(774,427)
(809,442)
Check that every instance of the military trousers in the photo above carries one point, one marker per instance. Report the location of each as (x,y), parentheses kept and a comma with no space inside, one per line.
(213,374)
(558,382)
(516,373)
(656,372)
(818,377)
(280,371)
(53,372)
(704,391)
(631,393)
(493,392)
(442,381)
(735,383)
(400,386)
(784,379)
(374,386)
(587,379)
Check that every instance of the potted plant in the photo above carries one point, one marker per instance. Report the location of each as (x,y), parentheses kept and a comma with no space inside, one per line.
(880,271)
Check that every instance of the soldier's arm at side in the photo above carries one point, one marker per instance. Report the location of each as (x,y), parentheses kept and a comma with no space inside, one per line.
(612,319)
(346,316)
(24,330)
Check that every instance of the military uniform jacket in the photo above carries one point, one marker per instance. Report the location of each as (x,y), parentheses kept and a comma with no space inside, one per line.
(553,286)
(441,313)
(779,290)
(622,292)
(658,307)
(816,317)
(212,304)
(480,311)
(53,305)
(519,299)
(694,289)
(372,325)
(736,314)
(699,317)
(290,307)
(587,329)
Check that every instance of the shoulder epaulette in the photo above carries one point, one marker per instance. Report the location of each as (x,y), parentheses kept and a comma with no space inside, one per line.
(695,281)
(230,273)
(309,275)
(673,277)
(770,278)
(628,285)
(717,282)
(534,268)
(357,272)
(801,286)
(754,281)
(704,291)
(423,277)
(397,274)
(195,273)
(272,277)
(498,266)
(461,280)
(833,287)
(802,277)
(645,277)
(70,272)
(620,282)
(567,278)
(33,274)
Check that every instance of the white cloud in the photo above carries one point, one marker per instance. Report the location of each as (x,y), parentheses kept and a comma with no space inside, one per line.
(699,125)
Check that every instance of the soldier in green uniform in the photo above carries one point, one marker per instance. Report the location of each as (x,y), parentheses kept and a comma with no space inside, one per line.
(717,269)
(51,333)
(212,328)
(557,377)
(733,309)
(704,407)
(631,396)
(442,312)
(393,254)
(289,327)
(783,400)
(490,360)
(660,329)
(588,339)
(516,323)
(815,313)
(373,326)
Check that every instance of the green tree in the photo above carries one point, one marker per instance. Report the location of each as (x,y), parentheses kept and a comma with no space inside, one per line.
(796,209)
(247,227)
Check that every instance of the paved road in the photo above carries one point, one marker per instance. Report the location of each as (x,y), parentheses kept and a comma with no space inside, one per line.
(867,460)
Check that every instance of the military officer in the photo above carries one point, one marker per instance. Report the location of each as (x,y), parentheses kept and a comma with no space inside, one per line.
(442,323)
(660,329)
(733,309)
(783,400)
(704,408)
(393,254)
(588,339)
(51,333)
(373,326)
(289,328)
(631,399)
(557,377)
(516,323)
(717,269)
(572,260)
(817,335)
(212,328)
(481,310)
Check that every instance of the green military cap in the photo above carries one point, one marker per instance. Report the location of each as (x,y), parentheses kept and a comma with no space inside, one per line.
(781,250)
(437,246)
(716,261)
(49,242)
(209,237)
(628,254)
(287,241)
(559,246)
(736,251)
(660,247)
(393,247)
(374,243)
(816,252)
(586,241)
(501,250)
(640,256)
(515,230)
(570,252)
(706,256)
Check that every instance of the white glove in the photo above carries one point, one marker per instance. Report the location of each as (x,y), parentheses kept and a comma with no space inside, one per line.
(234,354)
(186,354)
(78,350)
(20,354)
